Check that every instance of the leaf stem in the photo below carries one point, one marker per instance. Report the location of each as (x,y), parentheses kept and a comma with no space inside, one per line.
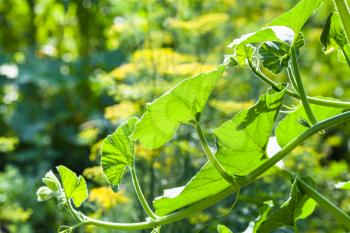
(181,214)
(344,13)
(140,195)
(321,200)
(219,168)
(347,58)
(323,102)
(295,72)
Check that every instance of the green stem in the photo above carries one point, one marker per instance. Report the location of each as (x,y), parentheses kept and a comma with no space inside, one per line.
(295,72)
(140,195)
(292,79)
(181,214)
(212,157)
(321,200)
(298,140)
(344,13)
(323,102)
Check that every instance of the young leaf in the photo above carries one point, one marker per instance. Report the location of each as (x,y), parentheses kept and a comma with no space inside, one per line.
(298,206)
(254,225)
(118,152)
(241,148)
(65,229)
(44,193)
(223,229)
(239,56)
(290,127)
(74,187)
(52,188)
(179,105)
(333,36)
(297,16)
(276,55)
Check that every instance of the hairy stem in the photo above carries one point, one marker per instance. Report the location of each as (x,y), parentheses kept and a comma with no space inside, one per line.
(323,102)
(212,157)
(344,13)
(181,214)
(140,195)
(296,74)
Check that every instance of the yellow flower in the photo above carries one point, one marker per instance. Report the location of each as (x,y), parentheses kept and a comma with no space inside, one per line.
(121,111)
(106,198)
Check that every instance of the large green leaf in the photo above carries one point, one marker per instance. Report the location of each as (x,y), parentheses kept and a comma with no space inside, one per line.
(118,152)
(333,36)
(296,17)
(298,206)
(179,105)
(74,187)
(241,147)
(297,122)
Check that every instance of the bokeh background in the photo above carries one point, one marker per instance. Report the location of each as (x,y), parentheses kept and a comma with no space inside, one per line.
(72,70)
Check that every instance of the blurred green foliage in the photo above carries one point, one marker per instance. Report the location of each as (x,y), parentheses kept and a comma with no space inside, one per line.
(73,70)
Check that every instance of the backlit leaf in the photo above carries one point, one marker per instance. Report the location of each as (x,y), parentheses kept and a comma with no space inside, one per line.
(291,126)
(118,152)
(296,17)
(333,37)
(241,147)
(343,185)
(179,105)
(74,187)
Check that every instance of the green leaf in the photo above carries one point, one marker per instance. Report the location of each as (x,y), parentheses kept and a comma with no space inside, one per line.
(241,148)
(274,33)
(51,181)
(74,187)
(118,152)
(239,56)
(276,55)
(44,193)
(265,210)
(333,35)
(298,206)
(291,126)
(333,38)
(343,185)
(179,105)
(296,17)
(223,229)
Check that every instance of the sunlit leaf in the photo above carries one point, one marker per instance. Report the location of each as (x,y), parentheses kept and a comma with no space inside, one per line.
(74,187)
(179,105)
(296,17)
(118,152)
(333,37)
(223,229)
(273,33)
(298,206)
(291,126)
(241,147)
(343,185)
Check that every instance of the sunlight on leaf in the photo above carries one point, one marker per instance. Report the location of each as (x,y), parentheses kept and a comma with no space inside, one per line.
(179,105)
(241,147)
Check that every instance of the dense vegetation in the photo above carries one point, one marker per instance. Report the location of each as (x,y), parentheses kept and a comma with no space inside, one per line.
(73,72)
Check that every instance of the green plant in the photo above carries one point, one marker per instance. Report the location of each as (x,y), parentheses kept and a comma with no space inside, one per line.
(240,157)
